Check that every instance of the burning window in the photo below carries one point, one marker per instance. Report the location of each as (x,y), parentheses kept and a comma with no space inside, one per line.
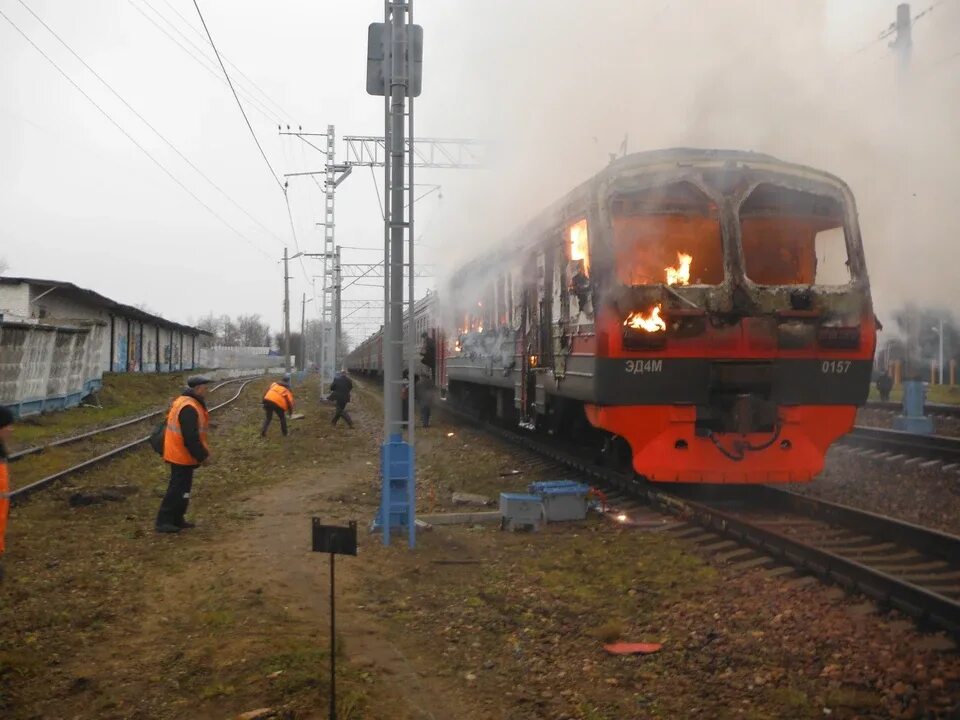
(792,237)
(668,235)
(580,246)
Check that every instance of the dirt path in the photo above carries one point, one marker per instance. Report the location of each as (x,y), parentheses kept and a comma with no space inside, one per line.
(234,615)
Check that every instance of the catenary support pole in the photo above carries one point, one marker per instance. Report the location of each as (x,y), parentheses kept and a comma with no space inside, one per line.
(286,313)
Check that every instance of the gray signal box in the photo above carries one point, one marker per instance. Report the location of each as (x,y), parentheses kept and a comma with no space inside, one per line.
(377,36)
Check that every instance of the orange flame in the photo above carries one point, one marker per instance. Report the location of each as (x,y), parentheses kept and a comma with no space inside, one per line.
(680,275)
(649,321)
(579,245)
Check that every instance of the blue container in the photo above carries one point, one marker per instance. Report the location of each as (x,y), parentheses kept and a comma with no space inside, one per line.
(562,499)
(519,510)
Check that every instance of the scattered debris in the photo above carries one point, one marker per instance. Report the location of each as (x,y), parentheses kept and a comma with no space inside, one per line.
(624,648)
(112,493)
(297,416)
(463,498)
(258,714)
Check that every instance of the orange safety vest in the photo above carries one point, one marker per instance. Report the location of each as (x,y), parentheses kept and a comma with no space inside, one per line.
(4,502)
(174,450)
(280,396)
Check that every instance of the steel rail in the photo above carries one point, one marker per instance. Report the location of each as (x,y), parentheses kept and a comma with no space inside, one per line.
(930,408)
(934,447)
(20,454)
(26,491)
(922,603)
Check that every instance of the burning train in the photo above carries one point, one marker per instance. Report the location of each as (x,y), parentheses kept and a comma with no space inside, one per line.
(703,316)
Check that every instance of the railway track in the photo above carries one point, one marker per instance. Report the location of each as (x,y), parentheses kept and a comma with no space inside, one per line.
(936,409)
(21,493)
(897,443)
(909,568)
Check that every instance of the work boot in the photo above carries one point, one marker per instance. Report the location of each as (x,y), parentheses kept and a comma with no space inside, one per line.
(168,528)
(186,525)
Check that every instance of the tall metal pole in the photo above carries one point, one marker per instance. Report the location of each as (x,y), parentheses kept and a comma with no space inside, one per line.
(338,315)
(286,312)
(302,355)
(941,351)
(398,92)
(390,373)
(411,297)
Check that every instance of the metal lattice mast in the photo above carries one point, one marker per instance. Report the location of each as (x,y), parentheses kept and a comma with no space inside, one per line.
(327,348)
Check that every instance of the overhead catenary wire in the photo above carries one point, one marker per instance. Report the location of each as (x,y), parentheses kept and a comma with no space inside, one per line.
(237,98)
(130,137)
(254,103)
(148,124)
(276,106)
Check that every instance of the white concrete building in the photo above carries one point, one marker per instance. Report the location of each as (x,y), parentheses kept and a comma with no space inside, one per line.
(132,340)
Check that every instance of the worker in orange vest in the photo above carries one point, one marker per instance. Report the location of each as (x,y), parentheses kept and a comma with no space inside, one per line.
(6,429)
(278,401)
(185,448)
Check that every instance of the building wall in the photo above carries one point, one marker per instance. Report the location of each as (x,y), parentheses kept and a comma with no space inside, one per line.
(127,334)
(15,300)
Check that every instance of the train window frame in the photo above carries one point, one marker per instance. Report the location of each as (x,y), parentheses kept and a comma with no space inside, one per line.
(714,205)
(840,222)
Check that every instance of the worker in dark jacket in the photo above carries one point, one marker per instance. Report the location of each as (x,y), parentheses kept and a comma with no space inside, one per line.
(278,401)
(340,390)
(185,448)
(6,428)
(884,385)
(426,394)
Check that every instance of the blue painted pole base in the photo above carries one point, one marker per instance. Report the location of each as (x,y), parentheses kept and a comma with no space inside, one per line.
(397,492)
(913,420)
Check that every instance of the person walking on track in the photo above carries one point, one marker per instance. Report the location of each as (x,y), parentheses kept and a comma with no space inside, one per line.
(425,397)
(185,448)
(6,429)
(340,390)
(278,401)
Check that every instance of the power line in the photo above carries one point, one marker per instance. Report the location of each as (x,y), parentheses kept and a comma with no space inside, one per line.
(239,104)
(147,123)
(240,72)
(254,103)
(130,137)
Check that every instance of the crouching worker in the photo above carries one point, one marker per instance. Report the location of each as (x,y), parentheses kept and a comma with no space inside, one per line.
(185,448)
(340,390)
(6,428)
(278,401)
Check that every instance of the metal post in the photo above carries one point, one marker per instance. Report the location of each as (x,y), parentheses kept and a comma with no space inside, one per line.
(303,338)
(328,353)
(411,297)
(390,373)
(338,316)
(398,91)
(286,313)
(941,351)
(333,644)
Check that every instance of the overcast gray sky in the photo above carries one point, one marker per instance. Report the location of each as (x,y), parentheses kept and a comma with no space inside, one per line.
(552,87)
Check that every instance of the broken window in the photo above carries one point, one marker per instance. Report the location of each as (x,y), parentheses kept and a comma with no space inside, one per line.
(668,235)
(576,276)
(793,237)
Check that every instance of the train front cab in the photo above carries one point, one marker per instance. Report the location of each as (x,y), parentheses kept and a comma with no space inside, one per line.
(735,330)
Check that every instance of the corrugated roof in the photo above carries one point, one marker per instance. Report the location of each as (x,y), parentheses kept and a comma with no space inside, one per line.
(99,300)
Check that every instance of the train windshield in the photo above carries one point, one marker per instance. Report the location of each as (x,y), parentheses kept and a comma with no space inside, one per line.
(667,235)
(792,237)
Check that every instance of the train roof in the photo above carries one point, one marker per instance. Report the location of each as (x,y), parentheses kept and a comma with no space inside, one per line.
(635,163)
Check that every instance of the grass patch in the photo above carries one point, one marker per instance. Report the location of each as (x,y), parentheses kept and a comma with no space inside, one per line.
(123,395)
